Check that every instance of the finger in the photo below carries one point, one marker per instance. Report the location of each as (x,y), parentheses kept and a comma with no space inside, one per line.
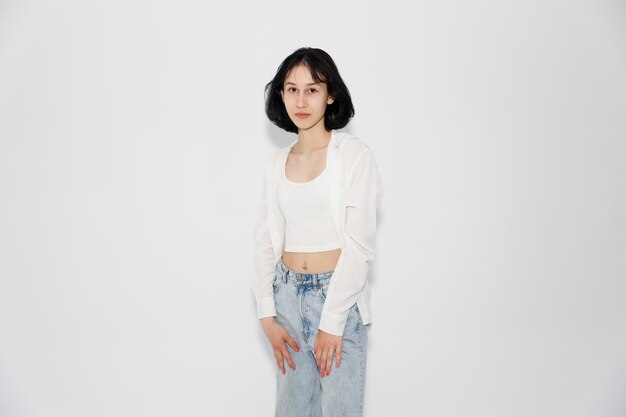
(338,354)
(318,357)
(323,356)
(329,362)
(279,361)
(287,356)
(292,343)
(315,345)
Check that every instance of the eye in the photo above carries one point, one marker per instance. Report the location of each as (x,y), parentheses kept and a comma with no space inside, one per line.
(291,89)
(312,90)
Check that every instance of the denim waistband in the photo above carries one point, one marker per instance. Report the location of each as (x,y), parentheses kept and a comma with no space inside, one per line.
(287,274)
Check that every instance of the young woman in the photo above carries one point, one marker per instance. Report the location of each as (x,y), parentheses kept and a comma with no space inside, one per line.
(315,235)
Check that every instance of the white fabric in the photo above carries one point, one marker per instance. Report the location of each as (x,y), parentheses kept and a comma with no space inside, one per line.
(305,206)
(354,194)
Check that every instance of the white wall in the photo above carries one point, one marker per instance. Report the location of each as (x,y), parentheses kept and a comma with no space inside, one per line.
(132,138)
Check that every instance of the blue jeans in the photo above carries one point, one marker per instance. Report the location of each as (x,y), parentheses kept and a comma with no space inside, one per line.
(299,300)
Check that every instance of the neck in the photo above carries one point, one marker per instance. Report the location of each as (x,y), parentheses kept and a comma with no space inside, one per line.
(311,139)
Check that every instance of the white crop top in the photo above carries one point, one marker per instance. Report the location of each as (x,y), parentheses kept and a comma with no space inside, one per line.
(306,209)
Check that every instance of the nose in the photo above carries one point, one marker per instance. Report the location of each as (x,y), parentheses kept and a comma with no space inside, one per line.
(301,102)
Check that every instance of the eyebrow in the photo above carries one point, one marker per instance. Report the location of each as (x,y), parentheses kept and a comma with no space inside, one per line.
(306,84)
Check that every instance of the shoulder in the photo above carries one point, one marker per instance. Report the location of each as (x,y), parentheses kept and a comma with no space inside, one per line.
(278,153)
(350,144)
(276,159)
(351,148)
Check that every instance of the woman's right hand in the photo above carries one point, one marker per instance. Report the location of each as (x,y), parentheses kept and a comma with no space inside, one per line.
(279,339)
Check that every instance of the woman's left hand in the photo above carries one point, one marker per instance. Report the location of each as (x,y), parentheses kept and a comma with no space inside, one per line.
(325,345)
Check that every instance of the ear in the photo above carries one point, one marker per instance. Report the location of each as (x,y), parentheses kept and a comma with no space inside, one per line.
(282,95)
(330,100)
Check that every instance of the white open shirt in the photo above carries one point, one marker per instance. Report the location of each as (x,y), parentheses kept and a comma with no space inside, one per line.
(355,194)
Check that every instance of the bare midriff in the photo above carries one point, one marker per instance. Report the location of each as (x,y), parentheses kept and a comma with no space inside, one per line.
(312,262)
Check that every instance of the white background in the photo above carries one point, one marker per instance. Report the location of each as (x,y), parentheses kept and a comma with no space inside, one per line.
(132,142)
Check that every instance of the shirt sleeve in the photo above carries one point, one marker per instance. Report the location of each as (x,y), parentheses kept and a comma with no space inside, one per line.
(363,192)
(263,259)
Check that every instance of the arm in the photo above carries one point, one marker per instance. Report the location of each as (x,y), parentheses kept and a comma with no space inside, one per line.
(363,194)
(263,259)
(364,191)
(264,264)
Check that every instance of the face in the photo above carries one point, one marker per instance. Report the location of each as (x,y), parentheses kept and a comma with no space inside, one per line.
(305,100)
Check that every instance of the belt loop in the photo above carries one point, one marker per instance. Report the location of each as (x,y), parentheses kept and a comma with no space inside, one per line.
(282,271)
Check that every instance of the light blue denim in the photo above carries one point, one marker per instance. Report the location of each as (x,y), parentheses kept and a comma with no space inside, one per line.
(299,300)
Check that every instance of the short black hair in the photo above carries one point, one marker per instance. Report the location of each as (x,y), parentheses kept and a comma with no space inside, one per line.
(323,69)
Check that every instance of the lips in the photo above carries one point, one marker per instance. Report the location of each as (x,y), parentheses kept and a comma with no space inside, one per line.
(303,115)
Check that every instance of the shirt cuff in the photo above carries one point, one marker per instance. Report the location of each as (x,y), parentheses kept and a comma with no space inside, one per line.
(333,323)
(265,307)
